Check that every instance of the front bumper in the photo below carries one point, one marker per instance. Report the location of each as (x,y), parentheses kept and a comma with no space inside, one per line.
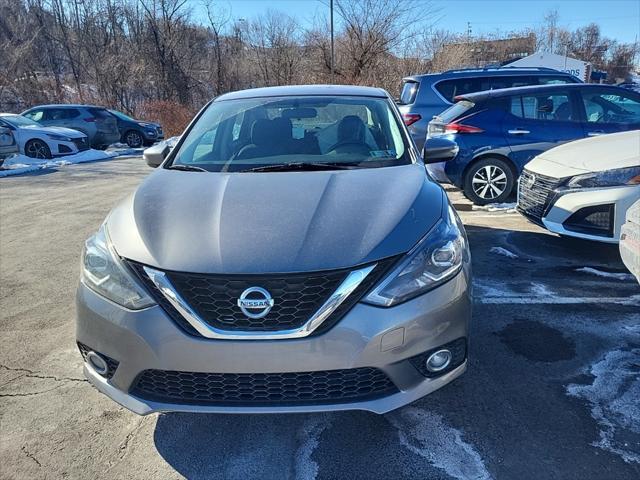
(367,336)
(567,203)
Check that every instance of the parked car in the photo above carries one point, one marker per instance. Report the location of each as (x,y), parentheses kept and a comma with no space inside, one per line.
(630,240)
(583,189)
(96,123)
(262,268)
(424,96)
(8,144)
(500,131)
(37,141)
(137,133)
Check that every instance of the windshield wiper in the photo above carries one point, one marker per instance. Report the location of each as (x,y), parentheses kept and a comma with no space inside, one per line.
(284,167)
(187,168)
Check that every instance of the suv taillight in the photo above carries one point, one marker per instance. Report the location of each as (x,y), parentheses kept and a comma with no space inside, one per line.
(461,128)
(410,118)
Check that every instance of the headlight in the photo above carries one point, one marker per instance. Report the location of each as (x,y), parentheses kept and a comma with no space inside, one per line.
(435,259)
(610,178)
(103,272)
(60,138)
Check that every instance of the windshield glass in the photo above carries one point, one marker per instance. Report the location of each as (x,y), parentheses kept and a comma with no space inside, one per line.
(19,121)
(455,110)
(122,116)
(246,134)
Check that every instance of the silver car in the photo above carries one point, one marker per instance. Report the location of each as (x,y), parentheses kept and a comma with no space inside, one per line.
(289,254)
(100,127)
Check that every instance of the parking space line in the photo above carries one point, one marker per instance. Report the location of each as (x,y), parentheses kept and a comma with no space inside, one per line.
(529,299)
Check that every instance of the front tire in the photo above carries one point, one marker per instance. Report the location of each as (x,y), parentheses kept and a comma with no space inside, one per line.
(37,149)
(490,180)
(133,139)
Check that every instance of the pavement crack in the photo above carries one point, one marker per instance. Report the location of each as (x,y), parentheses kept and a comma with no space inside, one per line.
(124,445)
(26,373)
(29,394)
(30,455)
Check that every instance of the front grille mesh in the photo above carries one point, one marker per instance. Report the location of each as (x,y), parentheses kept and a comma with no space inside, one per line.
(293,388)
(81,144)
(297,297)
(535,194)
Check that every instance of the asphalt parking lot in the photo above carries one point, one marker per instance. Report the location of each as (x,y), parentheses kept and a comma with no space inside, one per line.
(551,391)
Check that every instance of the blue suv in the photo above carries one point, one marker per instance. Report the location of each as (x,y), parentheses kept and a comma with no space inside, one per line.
(497,132)
(424,96)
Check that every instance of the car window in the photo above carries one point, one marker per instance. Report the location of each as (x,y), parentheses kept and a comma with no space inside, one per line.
(494,83)
(35,115)
(554,107)
(450,89)
(60,113)
(608,106)
(237,135)
(454,111)
(555,80)
(409,92)
(100,113)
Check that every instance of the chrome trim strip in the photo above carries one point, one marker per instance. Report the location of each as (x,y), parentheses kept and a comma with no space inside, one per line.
(346,288)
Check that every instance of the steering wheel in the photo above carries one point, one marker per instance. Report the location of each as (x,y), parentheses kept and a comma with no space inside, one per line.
(350,147)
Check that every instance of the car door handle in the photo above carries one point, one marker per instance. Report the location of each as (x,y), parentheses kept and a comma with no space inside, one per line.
(518,131)
(596,133)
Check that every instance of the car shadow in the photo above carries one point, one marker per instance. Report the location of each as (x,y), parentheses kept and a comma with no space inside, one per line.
(217,446)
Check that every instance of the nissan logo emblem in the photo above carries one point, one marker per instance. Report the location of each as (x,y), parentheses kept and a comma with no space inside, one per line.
(255,302)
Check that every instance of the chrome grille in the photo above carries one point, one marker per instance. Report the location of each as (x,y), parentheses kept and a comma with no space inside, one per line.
(297,297)
(535,193)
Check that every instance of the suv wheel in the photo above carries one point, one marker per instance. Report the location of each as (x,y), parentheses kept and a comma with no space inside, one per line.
(489,181)
(133,139)
(37,149)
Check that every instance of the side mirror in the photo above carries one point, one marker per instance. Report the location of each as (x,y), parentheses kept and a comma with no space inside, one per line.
(439,149)
(155,155)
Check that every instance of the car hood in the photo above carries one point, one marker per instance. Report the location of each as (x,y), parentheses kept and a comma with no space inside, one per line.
(596,154)
(67,132)
(276,222)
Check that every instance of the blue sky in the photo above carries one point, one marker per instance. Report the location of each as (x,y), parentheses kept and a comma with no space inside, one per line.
(618,19)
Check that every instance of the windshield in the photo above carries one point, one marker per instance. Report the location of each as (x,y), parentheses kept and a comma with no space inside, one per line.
(255,133)
(19,121)
(122,116)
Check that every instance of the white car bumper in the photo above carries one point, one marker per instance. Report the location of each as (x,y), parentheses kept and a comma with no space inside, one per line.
(630,240)
(569,203)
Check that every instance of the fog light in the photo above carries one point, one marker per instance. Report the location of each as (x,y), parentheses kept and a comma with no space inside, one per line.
(98,363)
(438,361)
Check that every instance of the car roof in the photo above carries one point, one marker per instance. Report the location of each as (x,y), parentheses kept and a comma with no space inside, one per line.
(67,105)
(491,72)
(504,92)
(304,90)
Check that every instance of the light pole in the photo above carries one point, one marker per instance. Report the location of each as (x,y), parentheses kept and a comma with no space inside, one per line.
(333,79)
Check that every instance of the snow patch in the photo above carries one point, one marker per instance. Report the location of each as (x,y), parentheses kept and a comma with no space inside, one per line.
(427,435)
(613,396)
(601,273)
(19,164)
(309,439)
(497,207)
(503,251)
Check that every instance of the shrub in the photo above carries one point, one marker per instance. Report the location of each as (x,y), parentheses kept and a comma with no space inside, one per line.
(173,116)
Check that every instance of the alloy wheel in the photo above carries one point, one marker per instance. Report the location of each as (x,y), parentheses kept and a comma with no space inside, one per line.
(37,149)
(134,139)
(489,182)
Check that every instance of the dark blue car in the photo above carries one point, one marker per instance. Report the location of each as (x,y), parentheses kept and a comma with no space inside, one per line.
(497,132)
